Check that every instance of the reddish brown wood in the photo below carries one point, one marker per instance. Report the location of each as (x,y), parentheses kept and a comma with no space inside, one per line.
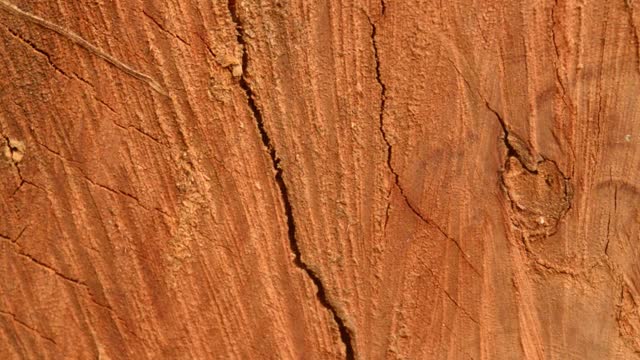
(296,179)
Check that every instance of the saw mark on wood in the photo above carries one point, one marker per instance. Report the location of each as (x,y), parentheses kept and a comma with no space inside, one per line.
(80,41)
(346,334)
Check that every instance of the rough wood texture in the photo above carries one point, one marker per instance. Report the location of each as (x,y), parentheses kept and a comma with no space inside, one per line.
(297,179)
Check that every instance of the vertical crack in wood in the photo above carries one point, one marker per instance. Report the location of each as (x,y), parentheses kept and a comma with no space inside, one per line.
(512,151)
(396,176)
(345,333)
(383,96)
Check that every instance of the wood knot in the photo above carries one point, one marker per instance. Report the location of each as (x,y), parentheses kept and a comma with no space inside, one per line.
(539,197)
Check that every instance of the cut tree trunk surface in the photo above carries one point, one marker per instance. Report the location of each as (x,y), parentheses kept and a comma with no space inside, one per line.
(301,179)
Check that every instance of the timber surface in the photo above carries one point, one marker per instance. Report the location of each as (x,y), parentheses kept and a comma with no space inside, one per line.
(298,179)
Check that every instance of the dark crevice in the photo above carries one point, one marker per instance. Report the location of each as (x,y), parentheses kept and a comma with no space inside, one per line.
(386,215)
(85,81)
(345,333)
(517,153)
(104,103)
(519,149)
(21,252)
(396,176)
(20,234)
(35,48)
(10,155)
(76,282)
(439,286)
(164,29)
(29,327)
(27,182)
(119,192)
(511,150)
(213,55)
(606,246)
(507,138)
(383,98)
(11,148)
(80,41)
(72,75)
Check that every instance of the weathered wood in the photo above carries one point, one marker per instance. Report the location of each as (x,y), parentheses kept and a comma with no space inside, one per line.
(295,179)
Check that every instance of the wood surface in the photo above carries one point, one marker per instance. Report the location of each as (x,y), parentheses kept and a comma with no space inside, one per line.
(320,179)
